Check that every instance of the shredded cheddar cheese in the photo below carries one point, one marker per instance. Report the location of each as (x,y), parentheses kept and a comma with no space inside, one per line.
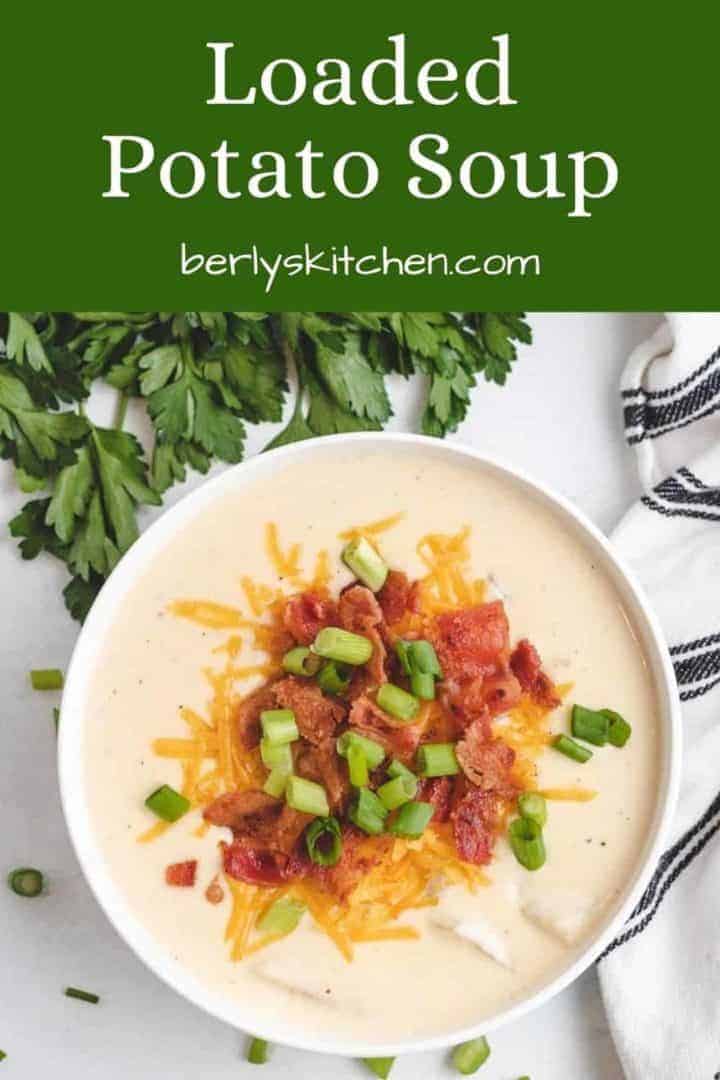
(408,874)
(571,794)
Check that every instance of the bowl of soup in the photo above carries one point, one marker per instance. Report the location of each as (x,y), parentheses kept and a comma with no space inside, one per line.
(369,745)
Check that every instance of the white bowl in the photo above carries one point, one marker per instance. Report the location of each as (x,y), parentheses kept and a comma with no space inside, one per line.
(82,665)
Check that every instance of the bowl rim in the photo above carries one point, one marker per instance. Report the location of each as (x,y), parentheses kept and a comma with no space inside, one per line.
(91,858)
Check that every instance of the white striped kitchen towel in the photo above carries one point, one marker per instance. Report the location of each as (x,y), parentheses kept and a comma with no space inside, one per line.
(661,976)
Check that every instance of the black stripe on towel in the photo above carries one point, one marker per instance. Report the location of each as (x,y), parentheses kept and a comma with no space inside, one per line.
(673,863)
(698,691)
(647,417)
(678,511)
(691,646)
(672,490)
(659,395)
(692,669)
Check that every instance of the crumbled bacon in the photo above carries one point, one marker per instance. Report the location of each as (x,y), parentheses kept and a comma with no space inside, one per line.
(527,668)
(215,894)
(356,861)
(399,739)
(473,641)
(306,614)
(438,791)
(500,692)
(263,823)
(316,715)
(323,765)
(360,613)
(486,762)
(181,873)
(474,818)
(244,863)
(397,596)
(247,714)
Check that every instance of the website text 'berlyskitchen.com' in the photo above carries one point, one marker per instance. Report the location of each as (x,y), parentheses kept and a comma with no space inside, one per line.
(341,261)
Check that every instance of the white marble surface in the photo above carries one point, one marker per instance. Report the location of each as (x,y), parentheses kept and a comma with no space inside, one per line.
(559,418)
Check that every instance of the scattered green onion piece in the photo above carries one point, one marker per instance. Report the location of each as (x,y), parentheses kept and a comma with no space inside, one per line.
(306,796)
(437,759)
(572,749)
(56,719)
(332,643)
(3,1055)
(423,659)
(412,819)
(374,753)
(334,678)
(397,702)
(526,841)
(396,768)
(380,1066)
(276,755)
(323,840)
(402,648)
(422,686)
(368,813)
(357,766)
(394,793)
(533,806)
(366,563)
(257,1053)
(279,726)
(589,725)
(25,881)
(281,917)
(276,783)
(469,1056)
(82,995)
(46,679)
(300,661)
(167,803)
(619,731)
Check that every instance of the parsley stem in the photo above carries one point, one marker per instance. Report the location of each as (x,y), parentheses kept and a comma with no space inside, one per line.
(121,411)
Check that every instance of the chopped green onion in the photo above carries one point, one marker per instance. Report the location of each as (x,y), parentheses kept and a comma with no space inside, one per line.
(368,813)
(396,768)
(572,749)
(334,678)
(323,840)
(412,819)
(533,806)
(3,1055)
(380,1066)
(394,793)
(526,841)
(589,725)
(365,563)
(81,995)
(397,702)
(56,719)
(46,679)
(423,659)
(257,1052)
(25,881)
(422,685)
(402,648)
(300,661)
(281,917)
(306,796)
(619,731)
(167,803)
(373,751)
(335,644)
(437,759)
(276,782)
(279,726)
(357,766)
(469,1056)
(276,755)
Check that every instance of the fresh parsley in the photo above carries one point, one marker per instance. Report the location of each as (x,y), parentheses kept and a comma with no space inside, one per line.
(203,377)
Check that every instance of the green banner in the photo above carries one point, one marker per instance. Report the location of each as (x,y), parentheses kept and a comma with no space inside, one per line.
(383,156)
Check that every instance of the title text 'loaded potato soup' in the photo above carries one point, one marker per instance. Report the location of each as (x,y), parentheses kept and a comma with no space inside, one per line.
(371,744)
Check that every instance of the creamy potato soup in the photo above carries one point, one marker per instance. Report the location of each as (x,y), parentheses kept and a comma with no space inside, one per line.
(431,919)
